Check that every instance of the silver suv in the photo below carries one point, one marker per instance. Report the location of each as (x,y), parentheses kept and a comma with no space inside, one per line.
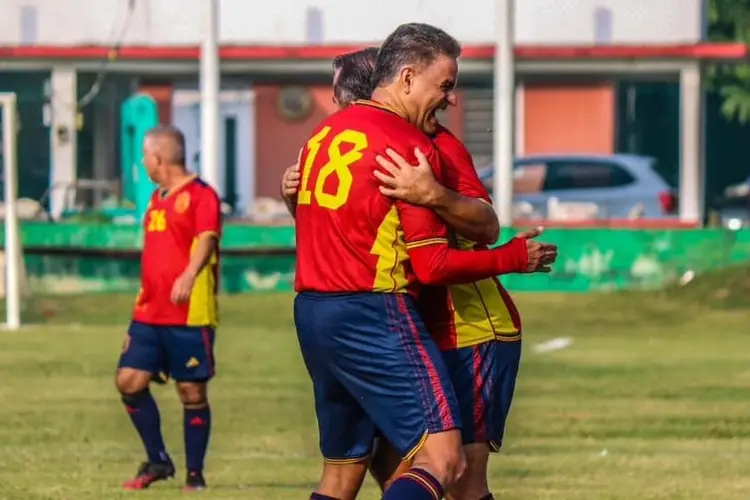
(579,187)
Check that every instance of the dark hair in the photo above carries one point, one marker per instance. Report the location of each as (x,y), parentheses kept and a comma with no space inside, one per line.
(413,43)
(355,71)
(175,153)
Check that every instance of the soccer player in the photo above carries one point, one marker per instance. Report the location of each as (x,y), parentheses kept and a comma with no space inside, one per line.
(466,208)
(359,256)
(477,326)
(175,312)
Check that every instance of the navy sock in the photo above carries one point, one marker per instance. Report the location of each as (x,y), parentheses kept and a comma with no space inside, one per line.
(414,484)
(197,427)
(318,496)
(146,419)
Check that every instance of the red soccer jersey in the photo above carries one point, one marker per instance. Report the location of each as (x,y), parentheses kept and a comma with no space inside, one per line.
(174,220)
(351,238)
(468,314)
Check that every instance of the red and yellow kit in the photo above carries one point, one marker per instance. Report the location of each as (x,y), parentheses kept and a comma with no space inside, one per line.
(470,314)
(351,238)
(174,221)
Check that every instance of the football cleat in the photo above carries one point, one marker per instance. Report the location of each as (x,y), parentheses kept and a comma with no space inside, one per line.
(195,482)
(149,473)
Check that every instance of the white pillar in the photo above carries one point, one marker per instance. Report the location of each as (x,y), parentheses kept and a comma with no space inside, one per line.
(503,97)
(692,140)
(520,118)
(210,83)
(63,131)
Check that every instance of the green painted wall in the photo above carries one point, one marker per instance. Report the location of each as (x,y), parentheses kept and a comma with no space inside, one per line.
(69,258)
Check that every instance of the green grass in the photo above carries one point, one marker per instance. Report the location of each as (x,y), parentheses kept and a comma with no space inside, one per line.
(650,401)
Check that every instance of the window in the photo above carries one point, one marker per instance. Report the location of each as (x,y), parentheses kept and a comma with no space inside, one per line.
(563,175)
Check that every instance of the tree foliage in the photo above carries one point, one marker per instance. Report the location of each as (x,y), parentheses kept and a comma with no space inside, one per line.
(729,21)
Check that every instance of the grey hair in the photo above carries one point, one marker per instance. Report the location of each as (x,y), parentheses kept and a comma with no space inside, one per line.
(412,44)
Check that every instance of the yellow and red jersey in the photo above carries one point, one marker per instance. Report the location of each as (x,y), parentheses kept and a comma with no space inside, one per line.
(470,314)
(352,238)
(173,222)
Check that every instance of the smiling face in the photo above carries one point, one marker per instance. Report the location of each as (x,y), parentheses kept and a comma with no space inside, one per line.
(429,89)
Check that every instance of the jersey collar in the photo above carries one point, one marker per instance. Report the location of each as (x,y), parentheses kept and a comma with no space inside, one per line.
(379,105)
(166,193)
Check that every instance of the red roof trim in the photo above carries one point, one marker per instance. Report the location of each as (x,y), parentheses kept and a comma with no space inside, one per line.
(725,51)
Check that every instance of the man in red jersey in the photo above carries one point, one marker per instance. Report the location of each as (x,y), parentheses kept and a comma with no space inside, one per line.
(460,314)
(476,326)
(370,359)
(175,312)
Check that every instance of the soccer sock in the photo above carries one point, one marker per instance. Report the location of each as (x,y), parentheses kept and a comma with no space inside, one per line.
(197,427)
(145,417)
(415,484)
(318,496)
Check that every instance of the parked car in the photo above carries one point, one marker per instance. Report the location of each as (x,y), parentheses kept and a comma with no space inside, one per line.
(620,186)
(733,206)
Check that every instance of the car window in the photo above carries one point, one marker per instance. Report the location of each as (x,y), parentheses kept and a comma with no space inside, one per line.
(528,178)
(563,175)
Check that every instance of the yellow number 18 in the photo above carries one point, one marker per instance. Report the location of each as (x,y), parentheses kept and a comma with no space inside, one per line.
(338,164)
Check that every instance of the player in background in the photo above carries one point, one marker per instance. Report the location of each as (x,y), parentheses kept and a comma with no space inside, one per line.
(359,256)
(483,310)
(175,313)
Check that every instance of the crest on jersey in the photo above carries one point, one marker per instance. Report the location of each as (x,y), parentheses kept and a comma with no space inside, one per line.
(182,203)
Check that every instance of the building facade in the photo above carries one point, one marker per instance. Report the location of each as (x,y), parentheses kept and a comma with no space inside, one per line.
(73,62)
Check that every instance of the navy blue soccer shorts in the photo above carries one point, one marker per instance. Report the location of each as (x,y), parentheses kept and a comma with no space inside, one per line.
(373,366)
(484,379)
(186,353)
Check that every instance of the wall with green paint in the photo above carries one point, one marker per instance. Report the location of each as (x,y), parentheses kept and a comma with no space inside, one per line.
(90,258)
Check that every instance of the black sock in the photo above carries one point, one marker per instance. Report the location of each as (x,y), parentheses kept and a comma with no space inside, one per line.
(318,496)
(197,428)
(145,417)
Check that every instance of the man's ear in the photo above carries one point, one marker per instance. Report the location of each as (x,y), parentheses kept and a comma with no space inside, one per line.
(406,78)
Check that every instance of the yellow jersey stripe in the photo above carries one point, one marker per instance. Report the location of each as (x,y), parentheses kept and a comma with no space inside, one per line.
(422,481)
(427,242)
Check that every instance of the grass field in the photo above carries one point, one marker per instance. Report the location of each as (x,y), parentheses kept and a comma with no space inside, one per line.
(650,401)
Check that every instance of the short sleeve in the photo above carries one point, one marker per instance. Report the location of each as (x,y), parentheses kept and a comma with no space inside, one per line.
(207,212)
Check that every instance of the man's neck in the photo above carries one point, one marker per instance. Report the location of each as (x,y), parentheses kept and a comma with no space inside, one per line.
(384,95)
(177,176)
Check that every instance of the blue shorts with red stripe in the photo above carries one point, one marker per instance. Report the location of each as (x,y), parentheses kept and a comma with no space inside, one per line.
(373,366)
(186,353)
(484,378)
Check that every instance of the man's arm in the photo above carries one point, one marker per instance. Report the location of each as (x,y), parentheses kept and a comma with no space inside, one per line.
(470,217)
(207,230)
(435,263)
(469,214)
(201,257)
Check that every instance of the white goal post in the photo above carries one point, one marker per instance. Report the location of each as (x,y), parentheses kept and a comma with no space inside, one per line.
(12,237)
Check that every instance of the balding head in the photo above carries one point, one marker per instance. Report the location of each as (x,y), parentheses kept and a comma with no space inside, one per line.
(163,152)
(169,142)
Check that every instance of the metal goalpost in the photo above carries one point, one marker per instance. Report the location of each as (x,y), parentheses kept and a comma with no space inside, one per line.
(12,238)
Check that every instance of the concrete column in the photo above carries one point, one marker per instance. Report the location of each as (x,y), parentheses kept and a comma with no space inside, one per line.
(692,141)
(520,115)
(63,130)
